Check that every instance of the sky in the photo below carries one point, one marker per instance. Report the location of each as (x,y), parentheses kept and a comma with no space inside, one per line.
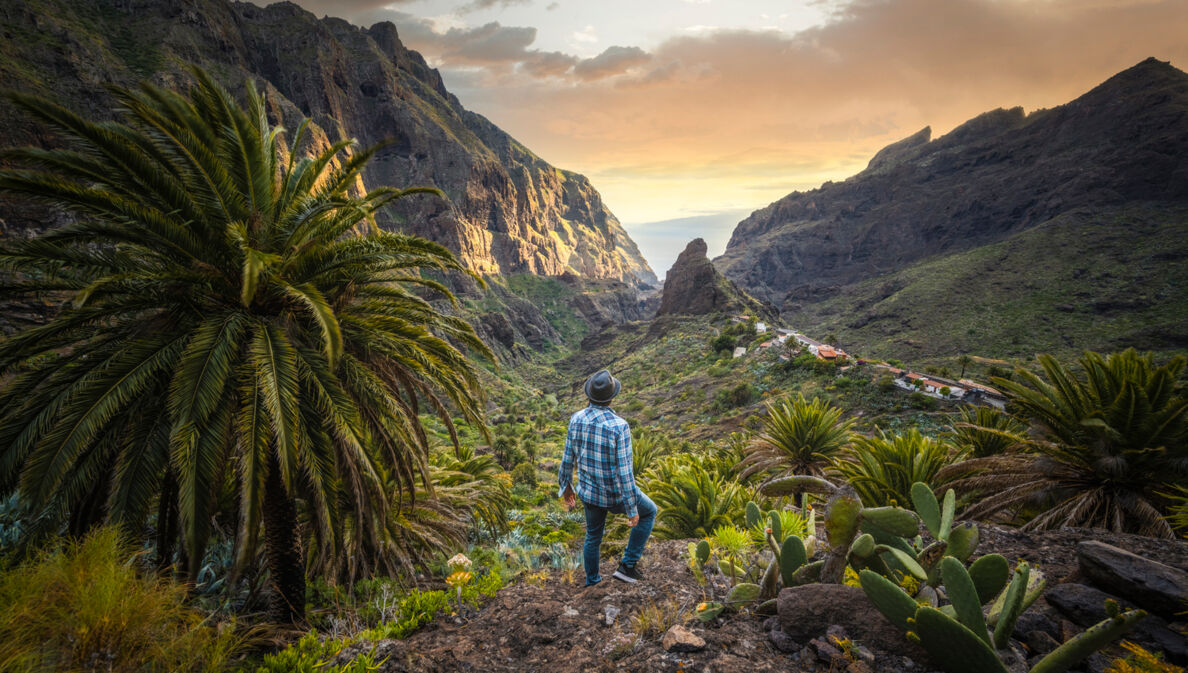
(685,113)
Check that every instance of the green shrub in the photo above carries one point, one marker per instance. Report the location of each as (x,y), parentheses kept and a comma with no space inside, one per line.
(723,343)
(923,402)
(312,654)
(86,602)
(886,383)
(524,474)
(736,396)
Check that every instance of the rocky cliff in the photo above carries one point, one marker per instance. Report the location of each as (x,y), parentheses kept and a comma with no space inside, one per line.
(1110,161)
(509,210)
(694,287)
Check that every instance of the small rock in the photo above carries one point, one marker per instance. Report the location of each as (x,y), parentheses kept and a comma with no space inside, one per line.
(1035,620)
(1040,642)
(569,612)
(807,611)
(782,641)
(806,654)
(681,639)
(835,632)
(609,614)
(826,651)
(1148,584)
(864,654)
(772,622)
(859,667)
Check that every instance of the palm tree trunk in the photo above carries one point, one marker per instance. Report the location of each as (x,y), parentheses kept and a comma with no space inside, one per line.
(167,521)
(282,549)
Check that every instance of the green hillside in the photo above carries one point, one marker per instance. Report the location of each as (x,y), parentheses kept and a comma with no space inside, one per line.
(1117,278)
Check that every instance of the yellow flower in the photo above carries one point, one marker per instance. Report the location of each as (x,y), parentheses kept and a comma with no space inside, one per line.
(701,607)
(459,579)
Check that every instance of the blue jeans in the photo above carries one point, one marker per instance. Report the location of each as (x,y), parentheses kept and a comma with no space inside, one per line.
(596,521)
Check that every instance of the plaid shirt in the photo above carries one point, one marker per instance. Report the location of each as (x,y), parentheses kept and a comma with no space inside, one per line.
(599,442)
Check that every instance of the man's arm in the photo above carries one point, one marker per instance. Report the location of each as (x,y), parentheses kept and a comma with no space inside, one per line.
(565,474)
(625,475)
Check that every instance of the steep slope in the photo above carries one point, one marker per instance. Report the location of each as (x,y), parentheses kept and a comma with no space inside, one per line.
(694,287)
(1120,149)
(510,211)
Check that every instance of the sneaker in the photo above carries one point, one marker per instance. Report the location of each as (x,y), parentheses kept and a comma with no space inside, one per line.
(628,575)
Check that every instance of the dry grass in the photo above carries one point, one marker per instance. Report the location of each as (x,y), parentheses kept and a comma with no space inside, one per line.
(655,618)
(85,607)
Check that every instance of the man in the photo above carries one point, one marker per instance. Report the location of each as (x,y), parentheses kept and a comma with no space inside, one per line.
(599,444)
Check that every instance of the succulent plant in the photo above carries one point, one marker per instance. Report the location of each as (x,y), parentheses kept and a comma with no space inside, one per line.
(845,519)
(957,637)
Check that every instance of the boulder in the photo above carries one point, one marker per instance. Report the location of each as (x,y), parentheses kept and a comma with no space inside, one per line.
(1151,585)
(1085,606)
(806,612)
(681,639)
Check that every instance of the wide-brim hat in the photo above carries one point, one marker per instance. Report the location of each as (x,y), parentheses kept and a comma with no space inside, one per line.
(601,387)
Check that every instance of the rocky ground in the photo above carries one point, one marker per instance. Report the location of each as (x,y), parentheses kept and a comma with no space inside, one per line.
(548,624)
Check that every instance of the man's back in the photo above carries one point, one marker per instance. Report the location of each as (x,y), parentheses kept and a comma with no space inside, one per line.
(599,444)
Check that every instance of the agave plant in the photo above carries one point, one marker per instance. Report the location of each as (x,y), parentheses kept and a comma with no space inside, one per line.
(228,323)
(883,468)
(1104,444)
(801,437)
(986,431)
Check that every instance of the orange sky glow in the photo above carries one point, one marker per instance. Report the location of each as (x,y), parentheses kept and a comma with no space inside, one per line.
(680,120)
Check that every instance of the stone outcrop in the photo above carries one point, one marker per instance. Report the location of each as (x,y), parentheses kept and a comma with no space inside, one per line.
(807,611)
(694,287)
(1148,584)
(508,210)
(1119,146)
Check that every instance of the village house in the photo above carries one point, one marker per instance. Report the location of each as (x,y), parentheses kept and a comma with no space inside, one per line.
(740,351)
(760,328)
(829,353)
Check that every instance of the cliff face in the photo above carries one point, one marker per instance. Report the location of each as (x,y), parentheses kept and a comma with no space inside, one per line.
(510,211)
(694,287)
(1003,173)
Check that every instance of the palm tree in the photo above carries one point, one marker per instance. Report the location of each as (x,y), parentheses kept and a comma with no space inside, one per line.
(986,431)
(964,360)
(1103,446)
(692,500)
(228,322)
(798,438)
(883,468)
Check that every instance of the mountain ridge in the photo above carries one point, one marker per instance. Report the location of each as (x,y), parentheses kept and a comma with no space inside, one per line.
(510,211)
(1124,143)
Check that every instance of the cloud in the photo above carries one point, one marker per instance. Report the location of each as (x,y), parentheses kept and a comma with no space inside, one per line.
(723,118)
(613,61)
(477,5)
(587,34)
(720,119)
(504,50)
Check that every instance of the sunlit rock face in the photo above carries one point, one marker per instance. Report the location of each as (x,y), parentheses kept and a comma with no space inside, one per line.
(508,210)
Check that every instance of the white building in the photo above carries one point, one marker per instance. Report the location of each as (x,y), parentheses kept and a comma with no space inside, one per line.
(760,328)
(740,351)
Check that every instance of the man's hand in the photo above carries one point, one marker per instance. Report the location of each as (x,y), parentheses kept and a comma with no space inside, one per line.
(632,520)
(570,499)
